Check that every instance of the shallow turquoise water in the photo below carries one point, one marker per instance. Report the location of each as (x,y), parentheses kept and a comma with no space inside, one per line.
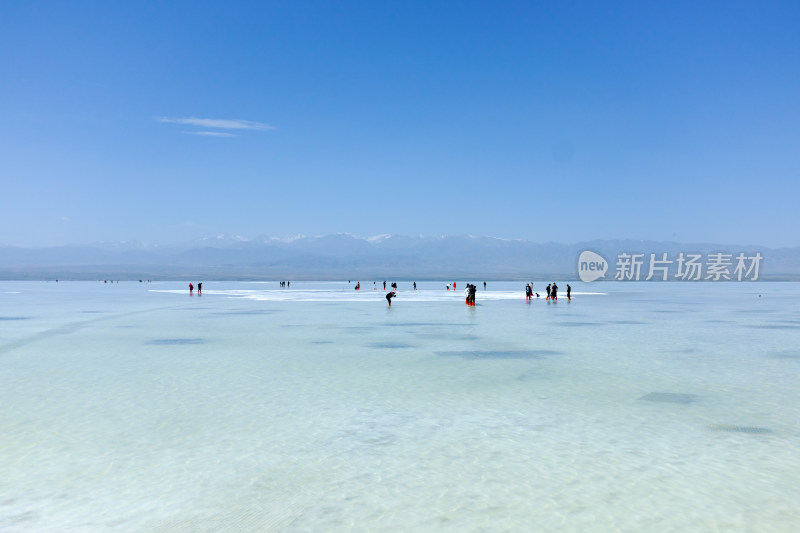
(638,407)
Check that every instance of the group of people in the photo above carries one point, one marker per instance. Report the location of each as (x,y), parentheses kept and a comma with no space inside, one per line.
(374,285)
(469,293)
(453,286)
(552,291)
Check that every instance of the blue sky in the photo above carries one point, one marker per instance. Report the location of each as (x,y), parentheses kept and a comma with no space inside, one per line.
(170,121)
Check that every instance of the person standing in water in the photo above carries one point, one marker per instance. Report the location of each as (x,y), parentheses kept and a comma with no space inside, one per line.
(554,292)
(191,288)
(415,285)
(528,292)
(548,291)
(199,287)
(569,290)
(389,296)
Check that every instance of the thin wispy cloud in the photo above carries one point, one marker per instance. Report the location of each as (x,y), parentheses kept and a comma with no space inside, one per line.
(216,123)
(211,133)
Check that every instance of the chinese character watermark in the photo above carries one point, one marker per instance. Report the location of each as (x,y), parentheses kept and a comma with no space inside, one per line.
(716,266)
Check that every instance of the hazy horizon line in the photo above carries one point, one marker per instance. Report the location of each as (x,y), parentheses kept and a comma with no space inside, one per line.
(372,239)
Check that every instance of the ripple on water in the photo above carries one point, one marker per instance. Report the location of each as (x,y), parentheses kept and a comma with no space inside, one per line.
(389,345)
(445,335)
(784,355)
(171,342)
(246,313)
(499,354)
(670,397)
(753,430)
(425,324)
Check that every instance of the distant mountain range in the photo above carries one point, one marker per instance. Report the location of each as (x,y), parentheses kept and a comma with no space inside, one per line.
(345,256)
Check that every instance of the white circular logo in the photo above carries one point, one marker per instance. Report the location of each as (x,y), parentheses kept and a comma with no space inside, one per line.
(591,266)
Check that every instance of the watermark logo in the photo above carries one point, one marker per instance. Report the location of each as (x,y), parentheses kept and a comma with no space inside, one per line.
(717,266)
(591,266)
